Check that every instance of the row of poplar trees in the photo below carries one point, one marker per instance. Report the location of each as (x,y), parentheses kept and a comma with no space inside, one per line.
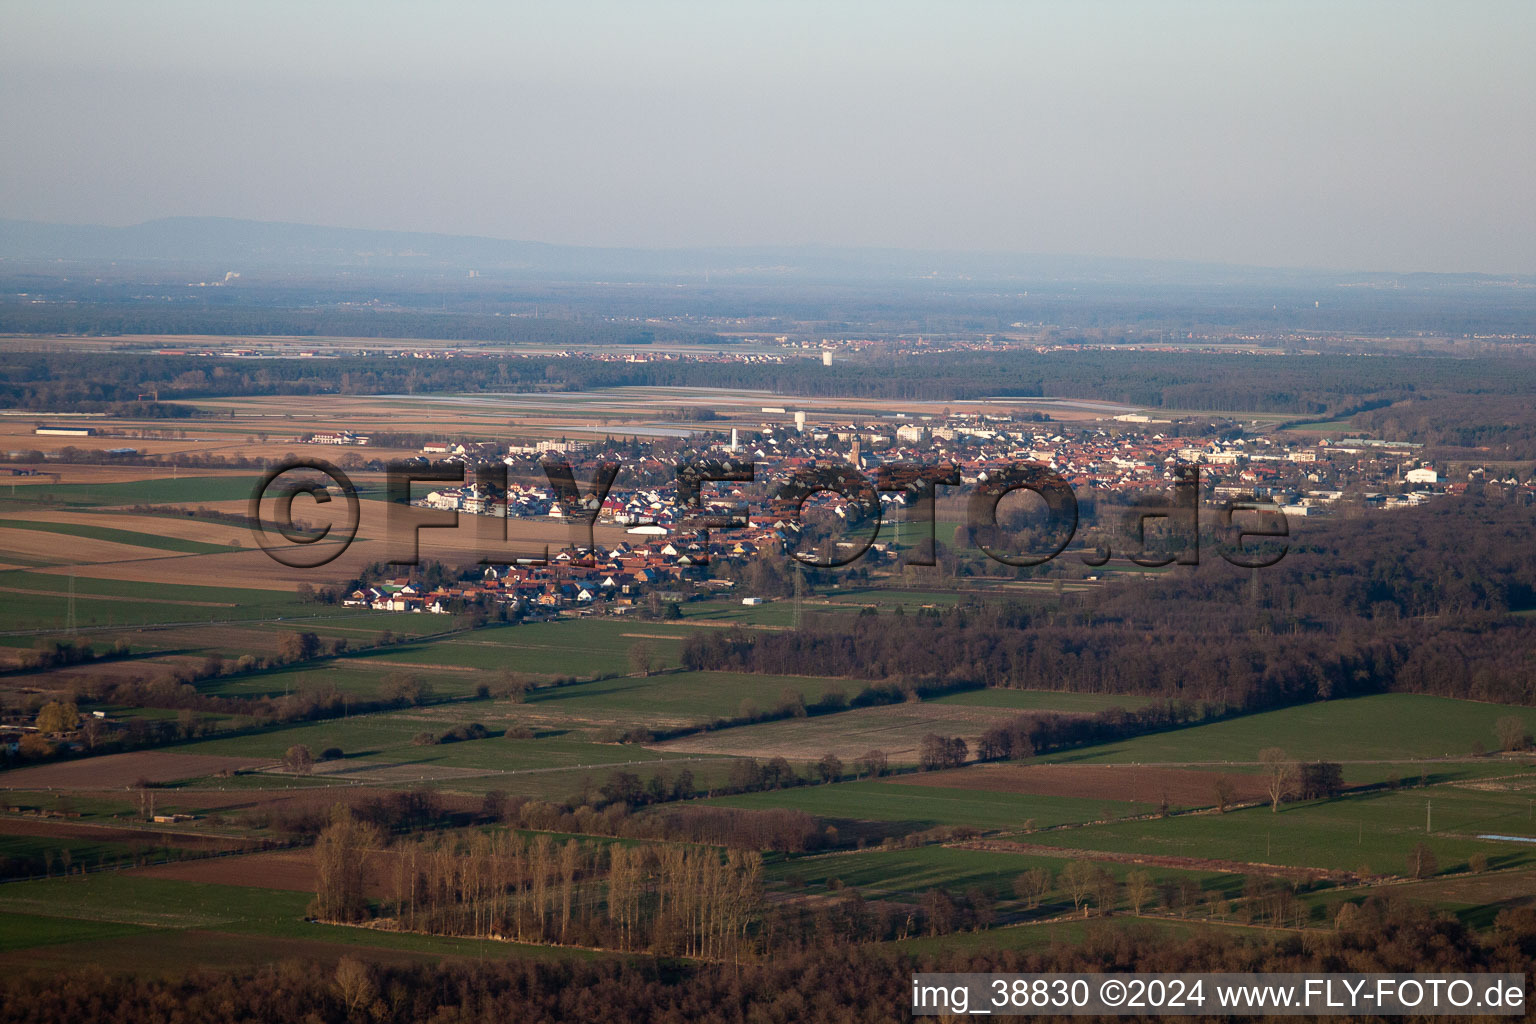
(664,897)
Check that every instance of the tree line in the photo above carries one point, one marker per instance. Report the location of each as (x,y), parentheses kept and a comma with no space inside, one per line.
(1416,601)
(846,984)
(668,898)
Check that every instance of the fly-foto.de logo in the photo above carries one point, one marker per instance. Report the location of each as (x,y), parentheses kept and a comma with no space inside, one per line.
(1161,529)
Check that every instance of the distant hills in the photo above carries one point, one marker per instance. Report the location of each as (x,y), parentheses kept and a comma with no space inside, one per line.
(227,244)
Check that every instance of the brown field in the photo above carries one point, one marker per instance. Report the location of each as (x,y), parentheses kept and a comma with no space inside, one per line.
(73,474)
(293,870)
(1476,890)
(1180,786)
(209,800)
(122,770)
(272,869)
(111,434)
(269,869)
(182,528)
(11,826)
(249,569)
(79,550)
(252,568)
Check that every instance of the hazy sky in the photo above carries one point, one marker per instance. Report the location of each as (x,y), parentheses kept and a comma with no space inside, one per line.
(1396,135)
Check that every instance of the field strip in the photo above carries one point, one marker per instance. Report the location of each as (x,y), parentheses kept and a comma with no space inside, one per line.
(30,825)
(1157,860)
(482,773)
(571,648)
(118,597)
(48,907)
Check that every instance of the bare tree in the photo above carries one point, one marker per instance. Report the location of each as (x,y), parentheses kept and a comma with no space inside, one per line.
(1078,879)
(355,985)
(871,762)
(1224,793)
(342,865)
(1421,861)
(1032,886)
(641,661)
(1106,890)
(1279,775)
(1512,733)
(1138,890)
(570,863)
(298,759)
(830,767)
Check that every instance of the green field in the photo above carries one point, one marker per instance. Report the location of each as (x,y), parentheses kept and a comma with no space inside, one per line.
(910,872)
(1387,727)
(385,739)
(580,647)
(1371,833)
(45,603)
(695,697)
(927,806)
(25,931)
(777,612)
(361,677)
(161,491)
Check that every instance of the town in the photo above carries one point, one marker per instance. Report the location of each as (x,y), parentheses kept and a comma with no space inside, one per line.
(1126,461)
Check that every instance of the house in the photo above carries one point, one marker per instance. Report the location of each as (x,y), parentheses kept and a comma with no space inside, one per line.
(338,437)
(367,597)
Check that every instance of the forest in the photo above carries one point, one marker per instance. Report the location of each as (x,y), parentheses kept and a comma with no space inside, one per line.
(1417,602)
(831,982)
